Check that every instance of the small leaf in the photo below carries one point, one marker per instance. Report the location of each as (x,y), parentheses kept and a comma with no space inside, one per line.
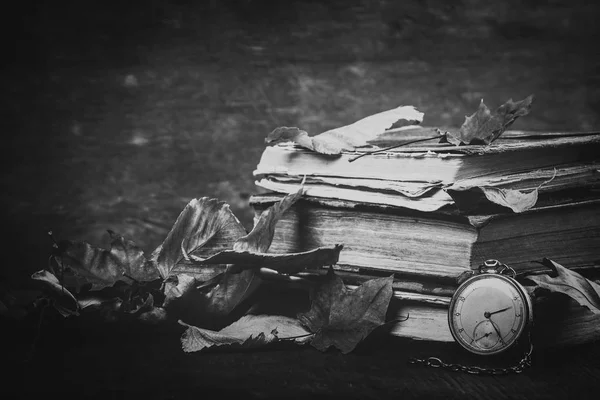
(141,305)
(483,127)
(289,263)
(517,200)
(153,316)
(348,137)
(64,301)
(342,317)
(132,258)
(204,226)
(571,283)
(103,268)
(248,332)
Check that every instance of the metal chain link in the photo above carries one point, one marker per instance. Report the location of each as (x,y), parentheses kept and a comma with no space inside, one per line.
(434,362)
(519,367)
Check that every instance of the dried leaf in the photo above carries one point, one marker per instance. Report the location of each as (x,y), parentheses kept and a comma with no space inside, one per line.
(348,137)
(517,200)
(132,258)
(96,302)
(571,283)
(154,316)
(177,286)
(248,331)
(483,127)
(141,305)
(204,226)
(289,263)
(342,317)
(208,309)
(260,238)
(102,267)
(64,301)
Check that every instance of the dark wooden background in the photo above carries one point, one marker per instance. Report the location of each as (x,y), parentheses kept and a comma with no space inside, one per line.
(116,116)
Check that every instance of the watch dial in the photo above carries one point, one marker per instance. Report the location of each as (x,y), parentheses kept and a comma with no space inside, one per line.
(488,313)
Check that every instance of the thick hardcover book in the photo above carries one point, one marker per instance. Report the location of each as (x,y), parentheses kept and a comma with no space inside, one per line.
(558,321)
(438,244)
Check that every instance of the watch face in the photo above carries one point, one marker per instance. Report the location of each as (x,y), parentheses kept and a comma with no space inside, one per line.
(488,313)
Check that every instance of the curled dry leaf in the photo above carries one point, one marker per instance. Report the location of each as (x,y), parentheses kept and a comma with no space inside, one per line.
(571,283)
(260,238)
(64,301)
(517,200)
(102,267)
(348,137)
(228,290)
(342,317)
(248,331)
(483,127)
(205,226)
(468,197)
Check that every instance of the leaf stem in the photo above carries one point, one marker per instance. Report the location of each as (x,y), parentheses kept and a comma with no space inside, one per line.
(392,147)
(297,337)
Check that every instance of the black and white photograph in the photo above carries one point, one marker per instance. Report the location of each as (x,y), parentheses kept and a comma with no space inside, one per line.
(301,199)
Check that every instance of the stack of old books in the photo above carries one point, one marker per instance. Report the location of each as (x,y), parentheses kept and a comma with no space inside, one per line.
(429,213)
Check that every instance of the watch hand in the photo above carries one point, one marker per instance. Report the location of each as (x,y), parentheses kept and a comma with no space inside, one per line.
(497,331)
(483,336)
(488,314)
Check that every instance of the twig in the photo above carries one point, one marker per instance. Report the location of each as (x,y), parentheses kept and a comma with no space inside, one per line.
(392,147)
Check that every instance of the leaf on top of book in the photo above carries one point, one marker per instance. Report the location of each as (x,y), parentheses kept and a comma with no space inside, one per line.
(204,224)
(248,332)
(343,317)
(102,267)
(351,136)
(483,127)
(64,302)
(466,198)
(571,283)
(289,263)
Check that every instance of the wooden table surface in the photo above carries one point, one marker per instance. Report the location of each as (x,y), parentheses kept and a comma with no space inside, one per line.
(74,359)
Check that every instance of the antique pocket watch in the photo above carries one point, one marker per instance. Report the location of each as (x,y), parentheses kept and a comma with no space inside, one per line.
(490,311)
(488,314)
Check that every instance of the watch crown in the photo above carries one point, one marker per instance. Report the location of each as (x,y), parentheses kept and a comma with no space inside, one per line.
(491,263)
(490,266)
